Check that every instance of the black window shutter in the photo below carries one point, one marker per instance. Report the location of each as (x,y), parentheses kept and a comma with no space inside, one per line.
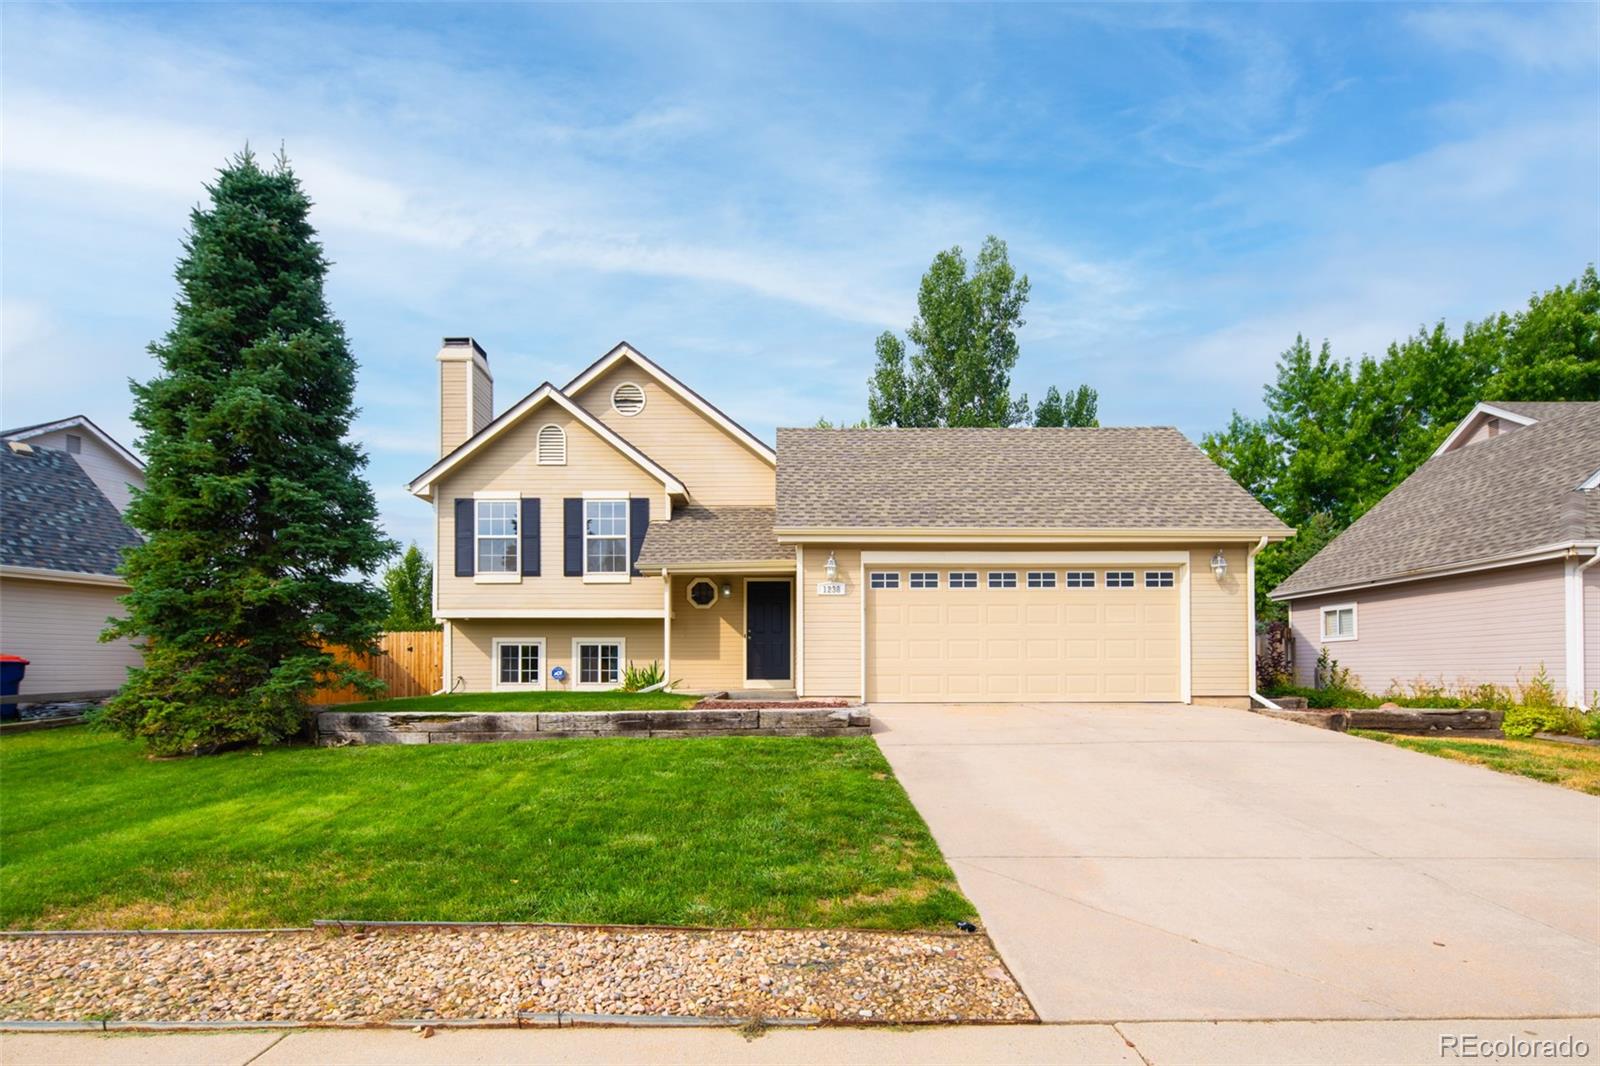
(530,538)
(464,546)
(638,521)
(572,537)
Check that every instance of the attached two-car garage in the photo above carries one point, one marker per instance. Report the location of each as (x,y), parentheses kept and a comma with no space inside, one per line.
(1029,630)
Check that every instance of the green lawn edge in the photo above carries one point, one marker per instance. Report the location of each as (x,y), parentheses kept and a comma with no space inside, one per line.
(1572,766)
(525,702)
(732,832)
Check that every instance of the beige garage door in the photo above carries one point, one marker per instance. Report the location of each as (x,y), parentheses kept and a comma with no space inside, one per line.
(1012,634)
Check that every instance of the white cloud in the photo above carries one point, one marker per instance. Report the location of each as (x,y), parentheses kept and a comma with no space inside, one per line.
(1556,36)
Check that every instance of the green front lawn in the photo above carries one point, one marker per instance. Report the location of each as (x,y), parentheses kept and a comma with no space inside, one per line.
(1575,766)
(500,702)
(727,831)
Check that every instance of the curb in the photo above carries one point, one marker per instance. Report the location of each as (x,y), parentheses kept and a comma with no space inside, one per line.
(522,1020)
(358,924)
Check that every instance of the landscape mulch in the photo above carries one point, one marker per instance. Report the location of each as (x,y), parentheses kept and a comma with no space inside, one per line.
(345,975)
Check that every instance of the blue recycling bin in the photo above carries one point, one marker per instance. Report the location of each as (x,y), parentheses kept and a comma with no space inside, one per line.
(12,667)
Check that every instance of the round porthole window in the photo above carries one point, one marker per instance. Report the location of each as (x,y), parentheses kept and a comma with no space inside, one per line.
(702,593)
(628,398)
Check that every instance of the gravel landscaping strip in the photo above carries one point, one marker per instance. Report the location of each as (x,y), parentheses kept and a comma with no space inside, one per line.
(376,975)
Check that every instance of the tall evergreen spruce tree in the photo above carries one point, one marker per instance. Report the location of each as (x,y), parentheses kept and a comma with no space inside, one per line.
(255,513)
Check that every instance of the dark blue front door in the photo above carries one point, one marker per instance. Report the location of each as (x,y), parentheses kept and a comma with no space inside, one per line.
(766,638)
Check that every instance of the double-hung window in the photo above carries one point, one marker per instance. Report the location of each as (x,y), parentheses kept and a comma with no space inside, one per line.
(1339,623)
(519,664)
(924,579)
(1119,579)
(605,537)
(599,663)
(497,536)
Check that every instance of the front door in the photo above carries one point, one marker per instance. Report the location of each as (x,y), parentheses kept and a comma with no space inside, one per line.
(766,621)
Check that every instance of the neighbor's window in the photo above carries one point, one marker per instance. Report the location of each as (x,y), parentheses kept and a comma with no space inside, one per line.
(520,664)
(605,536)
(1158,579)
(924,579)
(963,579)
(497,536)
(599,663)
(1339,623)
(1041,579)
(1002,579)
(1119,579)
(1080,579)
(884,579)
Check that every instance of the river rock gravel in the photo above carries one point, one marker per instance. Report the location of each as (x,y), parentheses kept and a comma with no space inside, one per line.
(345,975)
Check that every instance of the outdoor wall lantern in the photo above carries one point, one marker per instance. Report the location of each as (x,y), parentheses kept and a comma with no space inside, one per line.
(831,567)
(727,589)
(1219,565)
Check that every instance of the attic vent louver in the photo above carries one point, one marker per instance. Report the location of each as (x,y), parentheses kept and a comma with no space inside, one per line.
(552,446)
(627,399)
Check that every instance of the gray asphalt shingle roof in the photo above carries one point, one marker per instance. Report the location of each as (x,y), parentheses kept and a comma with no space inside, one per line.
(713,535)
(1497,497)
(53,517)
(1057,479)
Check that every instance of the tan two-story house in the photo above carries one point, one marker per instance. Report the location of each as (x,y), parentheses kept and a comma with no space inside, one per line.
(622,518)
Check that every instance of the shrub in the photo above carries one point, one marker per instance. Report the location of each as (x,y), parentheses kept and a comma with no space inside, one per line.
(635,678)
(1330,675)
(1526,721)
(1538,691)
(1272,664)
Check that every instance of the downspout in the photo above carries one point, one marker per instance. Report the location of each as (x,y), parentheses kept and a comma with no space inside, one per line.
(444,671)
(1250,577)
(1576,682)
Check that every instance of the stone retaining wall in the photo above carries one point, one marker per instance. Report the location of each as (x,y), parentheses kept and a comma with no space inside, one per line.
(457,727)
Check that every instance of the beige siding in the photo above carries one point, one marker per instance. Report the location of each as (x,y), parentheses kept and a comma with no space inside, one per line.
(452,404)
(1219,618)
(509,464)
(56,626)
(715,467)
(832,626)
(708,645)
(1219,622)
(108,470)
(1591,635)
(1491,626)
(471,645)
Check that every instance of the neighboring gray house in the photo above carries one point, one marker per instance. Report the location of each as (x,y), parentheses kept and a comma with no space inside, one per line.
(1479,567)
(61,540)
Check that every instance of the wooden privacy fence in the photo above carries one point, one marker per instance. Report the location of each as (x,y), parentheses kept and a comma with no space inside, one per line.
(411,664)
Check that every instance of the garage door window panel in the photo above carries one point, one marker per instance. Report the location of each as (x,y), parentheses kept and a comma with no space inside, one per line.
(963,579)
(884,579)
(1002,579)
(1080,579)
(1158,579)
(1119,579)
(1041,579)
(924,579)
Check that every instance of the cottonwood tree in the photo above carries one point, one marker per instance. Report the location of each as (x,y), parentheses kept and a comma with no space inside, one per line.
(1080,408)
(258,525)
(1338,435)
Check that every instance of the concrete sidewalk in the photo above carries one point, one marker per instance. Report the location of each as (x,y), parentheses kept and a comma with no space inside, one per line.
(1161,863)
(1348,1043)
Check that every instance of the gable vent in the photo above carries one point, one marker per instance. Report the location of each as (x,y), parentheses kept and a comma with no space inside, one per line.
(627,399)
(552,446)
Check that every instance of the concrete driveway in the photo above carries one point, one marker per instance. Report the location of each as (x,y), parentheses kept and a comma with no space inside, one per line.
(1166,862)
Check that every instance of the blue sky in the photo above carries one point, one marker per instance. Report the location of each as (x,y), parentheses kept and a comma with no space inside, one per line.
(750,194)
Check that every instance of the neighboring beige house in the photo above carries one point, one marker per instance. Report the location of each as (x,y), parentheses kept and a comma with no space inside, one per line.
(623,518)
(63,486)
(1478,568)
